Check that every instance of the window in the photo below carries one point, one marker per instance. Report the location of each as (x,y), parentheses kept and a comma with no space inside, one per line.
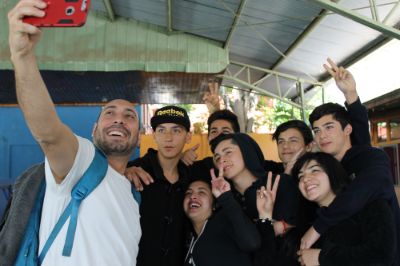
(382,132)
(395,129)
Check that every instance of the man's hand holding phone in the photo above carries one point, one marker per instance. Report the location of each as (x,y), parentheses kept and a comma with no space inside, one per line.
(23,37)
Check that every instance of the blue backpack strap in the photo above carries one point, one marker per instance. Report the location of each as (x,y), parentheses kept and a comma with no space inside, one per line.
(89,181)
(136,195)
(93,176)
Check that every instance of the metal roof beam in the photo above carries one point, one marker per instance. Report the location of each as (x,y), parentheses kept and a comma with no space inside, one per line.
(259,90)
(110,10)
(392,13)
(297,42)
(169,15)
(245,80)
(273,72)
(235,22)
(386,30)
(374,10)
(300,89)
(301,38)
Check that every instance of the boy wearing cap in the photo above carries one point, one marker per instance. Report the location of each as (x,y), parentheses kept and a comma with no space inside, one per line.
(162,216)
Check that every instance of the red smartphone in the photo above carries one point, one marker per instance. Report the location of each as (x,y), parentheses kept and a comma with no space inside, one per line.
(62,13)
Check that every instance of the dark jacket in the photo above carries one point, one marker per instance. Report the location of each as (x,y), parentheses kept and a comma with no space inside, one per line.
(372,181)
(366,238)
(162,218)
(281,250)
(201,169)
(227,239)
(277,250)
(16,217)
(359,121)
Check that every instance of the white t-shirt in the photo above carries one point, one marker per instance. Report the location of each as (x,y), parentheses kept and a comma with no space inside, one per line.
(108,227)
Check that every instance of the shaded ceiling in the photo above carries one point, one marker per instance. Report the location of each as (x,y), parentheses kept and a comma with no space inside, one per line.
(290,37)
(72,87)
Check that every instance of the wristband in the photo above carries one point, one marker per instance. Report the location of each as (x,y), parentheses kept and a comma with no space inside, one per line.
(264,220)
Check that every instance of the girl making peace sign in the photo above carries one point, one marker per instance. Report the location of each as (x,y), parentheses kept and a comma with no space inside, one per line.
(222,236)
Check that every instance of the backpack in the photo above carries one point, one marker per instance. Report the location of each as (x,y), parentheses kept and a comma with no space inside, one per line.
(27,255)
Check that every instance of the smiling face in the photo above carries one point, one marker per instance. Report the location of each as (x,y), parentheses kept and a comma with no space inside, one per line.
(330,137)
(170,139)
(218,127)
(230,157)
(117,129)
(290,142)
(314,184)
(198,201)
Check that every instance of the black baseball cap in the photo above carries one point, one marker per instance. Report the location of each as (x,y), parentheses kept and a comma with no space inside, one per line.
(171,114)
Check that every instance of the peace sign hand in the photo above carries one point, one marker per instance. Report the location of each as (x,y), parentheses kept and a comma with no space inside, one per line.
(211,97)
(344,80)
(219,184)
(266,197)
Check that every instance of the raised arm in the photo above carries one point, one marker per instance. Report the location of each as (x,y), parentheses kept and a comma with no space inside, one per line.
(358,113)
(266,196)
(360,123)
(56,139)
(344,81)
(211,97)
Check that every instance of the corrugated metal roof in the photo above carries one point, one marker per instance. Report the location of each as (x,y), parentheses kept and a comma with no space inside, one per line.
(263,23)
(289,36)
(337,37)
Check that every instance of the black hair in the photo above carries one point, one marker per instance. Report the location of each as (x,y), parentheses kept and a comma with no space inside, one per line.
(338,112)
(337,175)
(224,115)
(252,154)
(207,181)
(295,124)
(193,179)
(221,137)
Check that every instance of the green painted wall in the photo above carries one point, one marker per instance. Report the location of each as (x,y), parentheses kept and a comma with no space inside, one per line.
(121,45)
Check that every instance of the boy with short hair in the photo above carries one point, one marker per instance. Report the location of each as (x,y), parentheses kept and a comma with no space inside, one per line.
(368,166)
(162,216)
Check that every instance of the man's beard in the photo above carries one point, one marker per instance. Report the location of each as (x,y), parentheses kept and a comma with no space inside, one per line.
(114,148)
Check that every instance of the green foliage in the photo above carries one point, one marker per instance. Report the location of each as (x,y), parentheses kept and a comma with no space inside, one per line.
(283,112)
(187,107)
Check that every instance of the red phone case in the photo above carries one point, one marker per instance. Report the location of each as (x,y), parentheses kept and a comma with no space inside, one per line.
(62,13)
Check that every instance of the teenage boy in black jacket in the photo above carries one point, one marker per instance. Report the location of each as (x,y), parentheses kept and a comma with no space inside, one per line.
(162,217)
(368,166)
